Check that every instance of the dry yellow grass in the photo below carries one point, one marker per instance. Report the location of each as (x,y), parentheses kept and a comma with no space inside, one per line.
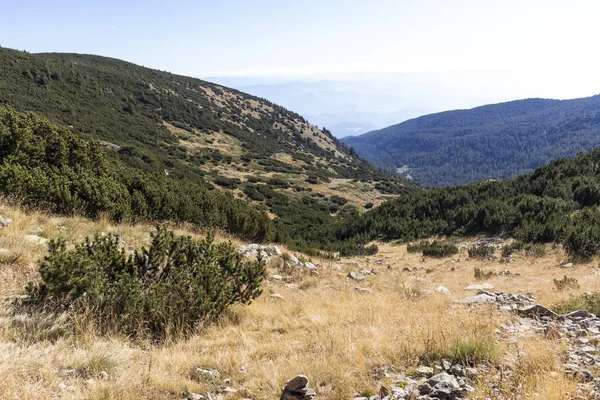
(323,327)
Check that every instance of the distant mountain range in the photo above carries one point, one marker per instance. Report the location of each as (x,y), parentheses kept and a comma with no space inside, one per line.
(497,141)
(344,107)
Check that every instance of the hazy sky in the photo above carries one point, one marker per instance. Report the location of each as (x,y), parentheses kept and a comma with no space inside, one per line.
(548,48)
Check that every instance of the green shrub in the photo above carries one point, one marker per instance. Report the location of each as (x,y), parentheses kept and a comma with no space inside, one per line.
(230,183)
(478,273)
(529,249)
(586,301)
(369,205)
(482,252)
(566,283)
(433,249)
(163,290)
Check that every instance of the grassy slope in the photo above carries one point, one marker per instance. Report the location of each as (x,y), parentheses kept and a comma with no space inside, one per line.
(186,127)
(323,327)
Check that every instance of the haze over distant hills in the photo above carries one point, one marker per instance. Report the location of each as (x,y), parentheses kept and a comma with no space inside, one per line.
(494,141)
(352,104)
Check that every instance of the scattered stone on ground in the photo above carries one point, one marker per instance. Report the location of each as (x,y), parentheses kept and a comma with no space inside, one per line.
(4,222)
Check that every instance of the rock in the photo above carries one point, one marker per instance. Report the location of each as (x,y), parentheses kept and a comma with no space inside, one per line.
(424,388)
(36,239)
(424,371)
(478,299)
(579,314)
(364,290)
(62,386)
(194,396)
(202,374)
(4,251)
(442,289)
(375,271)
(297,389)
(446,365)
(297,383)
(103,375)
(357,276)
(310,266)
(483,286)
(567,265)
(536,310)
(444,378)
(4,222)
(277,296)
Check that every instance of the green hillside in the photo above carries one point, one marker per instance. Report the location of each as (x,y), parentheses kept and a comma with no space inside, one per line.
(498,141)
(195,136)
(558,203)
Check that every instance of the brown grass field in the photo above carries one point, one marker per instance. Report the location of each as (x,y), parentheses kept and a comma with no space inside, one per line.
(320,325)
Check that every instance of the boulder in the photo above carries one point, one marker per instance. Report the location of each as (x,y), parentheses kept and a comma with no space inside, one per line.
(357,276)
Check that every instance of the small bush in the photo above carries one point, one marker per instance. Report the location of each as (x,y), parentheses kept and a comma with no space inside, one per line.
(586,301)
(566,283)
(433,249)
(529,249)
(165,289)
(478,273)
(369,205)
(482,252)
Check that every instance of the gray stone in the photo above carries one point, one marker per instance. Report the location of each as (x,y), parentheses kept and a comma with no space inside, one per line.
(443,378)
(579,314)
(442,289)
(483,286)
(36,239)
(536,310)
(567,265)
(4,222)
(424,371)
(357,276)
(478,299)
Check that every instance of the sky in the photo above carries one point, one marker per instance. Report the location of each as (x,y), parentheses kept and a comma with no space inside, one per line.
(513,48)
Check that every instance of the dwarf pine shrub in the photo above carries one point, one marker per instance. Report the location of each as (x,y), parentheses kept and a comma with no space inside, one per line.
(163,290)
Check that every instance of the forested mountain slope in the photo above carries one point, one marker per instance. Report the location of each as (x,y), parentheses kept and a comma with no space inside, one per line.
(497,141)
(558,203)
(193,134)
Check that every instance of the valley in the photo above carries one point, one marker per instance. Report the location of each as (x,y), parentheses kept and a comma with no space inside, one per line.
(349,337)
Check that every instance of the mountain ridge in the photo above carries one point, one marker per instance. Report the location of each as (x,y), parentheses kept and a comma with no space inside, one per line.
(497,141)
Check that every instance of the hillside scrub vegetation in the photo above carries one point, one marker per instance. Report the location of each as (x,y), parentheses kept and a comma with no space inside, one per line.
(557,203)
(162,291)
(45,165)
